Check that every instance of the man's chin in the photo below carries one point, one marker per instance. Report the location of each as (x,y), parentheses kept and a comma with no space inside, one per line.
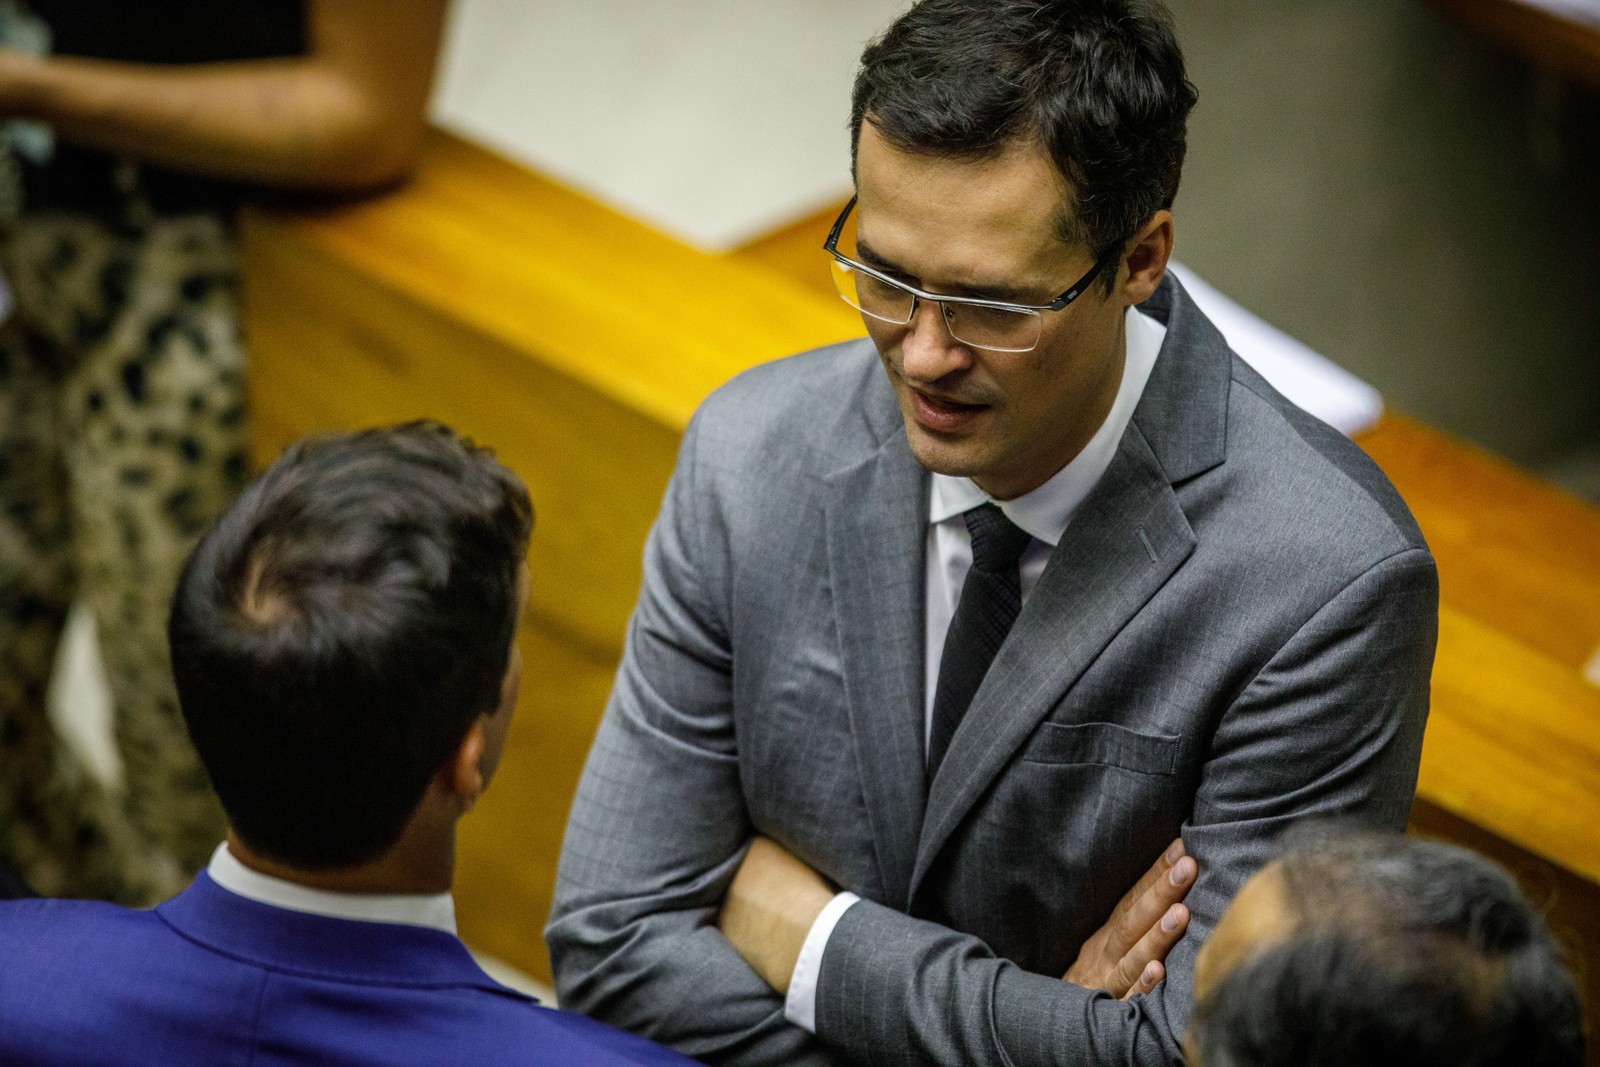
(943,453)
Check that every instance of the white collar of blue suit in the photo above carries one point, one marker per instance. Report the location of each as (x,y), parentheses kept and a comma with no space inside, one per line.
(433,910)
(396,955)
(1046,511)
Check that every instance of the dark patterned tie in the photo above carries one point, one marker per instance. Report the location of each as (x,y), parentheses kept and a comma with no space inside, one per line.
(990,600)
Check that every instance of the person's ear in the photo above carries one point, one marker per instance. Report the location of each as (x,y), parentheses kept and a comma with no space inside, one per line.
(1146,258)
(464,777)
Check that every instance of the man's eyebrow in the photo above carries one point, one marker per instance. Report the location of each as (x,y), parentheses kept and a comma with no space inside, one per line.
(1006,294)
(866,255)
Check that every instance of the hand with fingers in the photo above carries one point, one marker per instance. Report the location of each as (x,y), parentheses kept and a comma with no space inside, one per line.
(1127,954)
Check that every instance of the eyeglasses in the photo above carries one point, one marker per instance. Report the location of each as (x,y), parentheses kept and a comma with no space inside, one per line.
(997,325)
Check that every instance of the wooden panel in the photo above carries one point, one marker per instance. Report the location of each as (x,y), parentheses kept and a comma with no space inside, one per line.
(340,350)
(1564,43)
(1513,744)
(1513,552)
(508,846)
(575,341)
(603,300)
(796,251)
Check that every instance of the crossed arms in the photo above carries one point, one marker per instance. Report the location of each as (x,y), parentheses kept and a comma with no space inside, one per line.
(774,899)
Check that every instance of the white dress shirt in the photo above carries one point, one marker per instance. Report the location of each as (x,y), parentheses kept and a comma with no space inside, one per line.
(1045,513)
(434,910)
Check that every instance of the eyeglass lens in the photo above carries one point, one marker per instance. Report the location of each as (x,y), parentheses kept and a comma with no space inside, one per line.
(999,329)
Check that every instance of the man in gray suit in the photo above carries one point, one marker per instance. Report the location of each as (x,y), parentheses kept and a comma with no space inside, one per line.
(969,621)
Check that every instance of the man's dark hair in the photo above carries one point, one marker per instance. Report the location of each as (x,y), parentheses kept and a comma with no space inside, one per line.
(338,630)
(1404,952)
(1099,84)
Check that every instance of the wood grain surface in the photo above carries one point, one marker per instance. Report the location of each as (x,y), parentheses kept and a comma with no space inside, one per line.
(1563,38)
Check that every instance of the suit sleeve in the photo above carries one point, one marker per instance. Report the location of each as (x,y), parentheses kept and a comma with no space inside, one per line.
(1332,725)
(659,825)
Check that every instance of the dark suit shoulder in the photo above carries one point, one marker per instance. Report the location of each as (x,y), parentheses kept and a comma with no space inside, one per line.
(1261,476)
(817,374)
(1339,451)
(1306,482)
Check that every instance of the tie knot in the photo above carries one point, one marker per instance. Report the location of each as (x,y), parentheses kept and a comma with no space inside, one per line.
(997,542)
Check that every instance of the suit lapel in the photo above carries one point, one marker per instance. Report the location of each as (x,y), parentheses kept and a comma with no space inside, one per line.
(876,529)
(1122,546)
(1128,537)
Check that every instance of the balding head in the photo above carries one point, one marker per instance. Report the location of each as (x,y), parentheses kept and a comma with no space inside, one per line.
(1360,949)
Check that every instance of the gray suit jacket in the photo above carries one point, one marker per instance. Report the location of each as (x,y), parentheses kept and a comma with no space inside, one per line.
(1236,631)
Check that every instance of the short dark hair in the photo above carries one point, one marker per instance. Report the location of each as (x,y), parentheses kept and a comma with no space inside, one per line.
(1099,83)
(339,629)
(1405,952)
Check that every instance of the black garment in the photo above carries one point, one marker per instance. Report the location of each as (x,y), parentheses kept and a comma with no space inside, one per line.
(174,31)
(991,598)
(168,32)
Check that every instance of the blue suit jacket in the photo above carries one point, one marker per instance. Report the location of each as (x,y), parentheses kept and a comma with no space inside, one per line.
(212,978)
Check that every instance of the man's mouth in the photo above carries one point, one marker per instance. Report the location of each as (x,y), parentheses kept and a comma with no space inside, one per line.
(941,414)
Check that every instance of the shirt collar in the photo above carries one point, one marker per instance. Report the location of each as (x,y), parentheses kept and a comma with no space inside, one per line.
(436,911)
(1046,511)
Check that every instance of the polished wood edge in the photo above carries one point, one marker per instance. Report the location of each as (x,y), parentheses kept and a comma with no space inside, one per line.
(1564,46)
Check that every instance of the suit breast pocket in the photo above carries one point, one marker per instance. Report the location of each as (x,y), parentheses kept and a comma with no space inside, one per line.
(1104,744)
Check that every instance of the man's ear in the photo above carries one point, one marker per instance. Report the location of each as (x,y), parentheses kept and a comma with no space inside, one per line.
(1146,258)
(462,777)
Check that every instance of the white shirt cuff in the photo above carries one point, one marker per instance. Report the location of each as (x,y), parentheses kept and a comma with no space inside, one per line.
(800,1007)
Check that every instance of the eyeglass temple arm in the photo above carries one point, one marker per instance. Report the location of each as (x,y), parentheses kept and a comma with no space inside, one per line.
(832,242)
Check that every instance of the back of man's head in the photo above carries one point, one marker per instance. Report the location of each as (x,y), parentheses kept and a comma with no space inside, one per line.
(338,631)
(1398,951)
(1098,84)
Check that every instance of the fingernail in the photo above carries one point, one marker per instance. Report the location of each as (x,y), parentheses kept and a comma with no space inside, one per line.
(1175,851)
(1169,921)
(1180,874)
(1149,976)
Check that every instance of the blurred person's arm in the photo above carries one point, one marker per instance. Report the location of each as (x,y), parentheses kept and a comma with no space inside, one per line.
(347,115)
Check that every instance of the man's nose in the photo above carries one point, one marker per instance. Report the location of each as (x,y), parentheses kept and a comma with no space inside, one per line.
(929,352)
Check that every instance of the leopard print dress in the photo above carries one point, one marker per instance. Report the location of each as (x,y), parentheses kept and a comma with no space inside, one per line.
(121,437)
